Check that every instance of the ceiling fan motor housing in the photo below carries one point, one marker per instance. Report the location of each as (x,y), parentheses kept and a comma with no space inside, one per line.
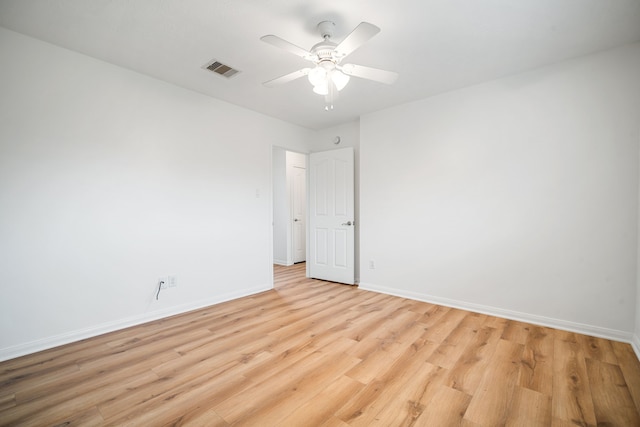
(324,51)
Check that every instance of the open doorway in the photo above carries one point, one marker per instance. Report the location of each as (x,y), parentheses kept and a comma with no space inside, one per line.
(289,207)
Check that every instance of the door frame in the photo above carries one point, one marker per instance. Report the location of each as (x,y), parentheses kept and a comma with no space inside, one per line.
(289,234)
(293,223)
(356,213)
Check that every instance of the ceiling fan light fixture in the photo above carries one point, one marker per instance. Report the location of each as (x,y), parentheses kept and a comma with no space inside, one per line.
(340,79)
(321,89)
(318,76)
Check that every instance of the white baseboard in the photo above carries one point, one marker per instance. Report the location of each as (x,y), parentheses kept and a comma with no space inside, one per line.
(635,344)
(281,262)
(69,337)
(80,334)
(565,325)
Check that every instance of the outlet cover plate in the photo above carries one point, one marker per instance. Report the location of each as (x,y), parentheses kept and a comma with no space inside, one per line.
(172,281)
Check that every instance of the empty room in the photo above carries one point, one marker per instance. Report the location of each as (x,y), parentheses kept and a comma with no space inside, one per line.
(320,213)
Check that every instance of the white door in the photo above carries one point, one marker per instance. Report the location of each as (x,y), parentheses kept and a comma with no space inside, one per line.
(299,213)
(331,216)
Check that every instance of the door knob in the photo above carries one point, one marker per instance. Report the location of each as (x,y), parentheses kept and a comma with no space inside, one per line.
(349,223)
(296,220)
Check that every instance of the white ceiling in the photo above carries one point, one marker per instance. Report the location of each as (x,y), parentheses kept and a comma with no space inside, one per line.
(435,45)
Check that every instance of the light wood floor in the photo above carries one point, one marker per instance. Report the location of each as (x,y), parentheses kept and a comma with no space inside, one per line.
(312,353)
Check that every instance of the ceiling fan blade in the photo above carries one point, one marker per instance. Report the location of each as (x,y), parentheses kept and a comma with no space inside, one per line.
(363,32)
(375,74)
(289,47)
(287,77)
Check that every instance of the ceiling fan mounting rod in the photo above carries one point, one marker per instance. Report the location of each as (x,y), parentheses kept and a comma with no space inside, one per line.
(326,29)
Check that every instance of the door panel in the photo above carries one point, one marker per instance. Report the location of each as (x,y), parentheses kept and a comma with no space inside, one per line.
(340,255)
(299,204)
(321,247)
(331,216)
(340,195)
(319,179)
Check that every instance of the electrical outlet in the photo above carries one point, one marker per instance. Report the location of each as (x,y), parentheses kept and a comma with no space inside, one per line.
(173,281)
(372,265)
(163,282)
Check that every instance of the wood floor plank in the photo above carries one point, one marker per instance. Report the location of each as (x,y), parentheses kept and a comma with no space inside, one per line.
(7,401)
(183,401)
(630,367)
(113,393)
(470,368)
(536,372)
(516,331)
(48,360)
(557,422)
(82,392)
(433,315)
(334,422)
(391,348)
(100,376)
(334,316)
(413,399)
(29,383)
(451,349)
(281,362)
(300,392)
(491,402)
(529,408)
(76,411)
(572,397)
(420,307)
(363,407)
(311,352)
(322,407)
(442,326)
(208,418)
(265,394)
(612,401)
(373,323)
(473,320)
(160,402)
(214,354)
(447,408)
(598,349)
(497,323)
(85,418)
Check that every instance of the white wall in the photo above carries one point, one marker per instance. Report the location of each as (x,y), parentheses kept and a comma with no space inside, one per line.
(349,134)
(110,180)
(636,336)
(517,197)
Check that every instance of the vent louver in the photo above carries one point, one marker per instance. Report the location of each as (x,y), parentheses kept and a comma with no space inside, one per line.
(220,68)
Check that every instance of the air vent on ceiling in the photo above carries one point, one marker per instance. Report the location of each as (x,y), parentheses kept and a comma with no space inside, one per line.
(220,68)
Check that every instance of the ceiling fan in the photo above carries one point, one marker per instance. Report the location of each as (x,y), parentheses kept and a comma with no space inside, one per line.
(328,76)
